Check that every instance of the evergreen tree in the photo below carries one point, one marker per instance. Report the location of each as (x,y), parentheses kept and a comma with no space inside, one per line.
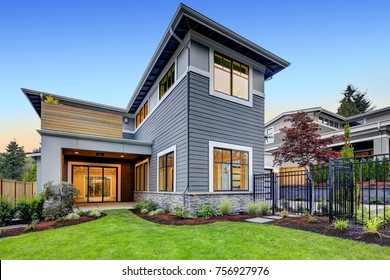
(354,102)
(347,106)
(12,162)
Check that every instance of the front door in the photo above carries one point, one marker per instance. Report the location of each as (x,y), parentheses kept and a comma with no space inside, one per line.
(95,183)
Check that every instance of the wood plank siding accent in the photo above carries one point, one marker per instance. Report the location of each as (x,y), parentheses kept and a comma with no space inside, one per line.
(78,120)
(167,126)
(216,119)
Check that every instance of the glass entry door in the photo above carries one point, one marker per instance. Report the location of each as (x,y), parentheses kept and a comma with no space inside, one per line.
(95,183)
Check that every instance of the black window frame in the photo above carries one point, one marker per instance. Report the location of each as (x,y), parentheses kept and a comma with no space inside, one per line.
(231,168)
(160,167)
(145,166)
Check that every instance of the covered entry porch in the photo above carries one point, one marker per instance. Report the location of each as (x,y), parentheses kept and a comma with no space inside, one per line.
(101,168)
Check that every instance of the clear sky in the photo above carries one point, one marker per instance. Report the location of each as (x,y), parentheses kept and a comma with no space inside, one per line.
(97,50)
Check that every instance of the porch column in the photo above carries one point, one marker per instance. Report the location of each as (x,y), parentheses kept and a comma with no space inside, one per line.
(381,145)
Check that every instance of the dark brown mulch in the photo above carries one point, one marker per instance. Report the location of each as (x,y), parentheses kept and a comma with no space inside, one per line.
(169,219)
(354,232)
(45,225)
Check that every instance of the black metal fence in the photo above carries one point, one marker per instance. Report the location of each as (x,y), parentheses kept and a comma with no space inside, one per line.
(356,188)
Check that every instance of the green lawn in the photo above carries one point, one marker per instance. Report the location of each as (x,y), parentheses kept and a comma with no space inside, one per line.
(122,235)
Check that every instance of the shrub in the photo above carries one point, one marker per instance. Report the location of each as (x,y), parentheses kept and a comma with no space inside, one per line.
(72,216)
(7,212)
(207,211)
(31,225)
(156,212)
(82,213)
(181,212)
(95,213)
(23,209)
(373,224)
(61,219)
(264,208)
(254,208)
(323,206)
(364,214)
(226,207)
(340,224)
(59,200)
(36,207)
(312,219)
(284,213)
(147,205)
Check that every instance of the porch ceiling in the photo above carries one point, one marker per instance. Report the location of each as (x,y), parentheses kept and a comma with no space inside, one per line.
(99,154)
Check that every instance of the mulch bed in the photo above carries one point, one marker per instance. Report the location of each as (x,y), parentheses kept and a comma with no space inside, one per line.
(354,232)
(169,219)
(44,225)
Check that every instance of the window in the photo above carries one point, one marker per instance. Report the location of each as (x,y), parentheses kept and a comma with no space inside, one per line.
(166,172)
(142,114)
(269,135)
(141,176)
(231,77)
(167,81)
(231,170)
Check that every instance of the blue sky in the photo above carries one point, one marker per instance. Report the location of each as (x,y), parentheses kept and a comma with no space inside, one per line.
(98,50)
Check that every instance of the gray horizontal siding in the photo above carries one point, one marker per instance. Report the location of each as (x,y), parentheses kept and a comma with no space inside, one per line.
(165,127)
(215,119)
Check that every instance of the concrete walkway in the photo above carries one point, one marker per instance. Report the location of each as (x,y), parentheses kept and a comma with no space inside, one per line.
(264,219)
(105,206)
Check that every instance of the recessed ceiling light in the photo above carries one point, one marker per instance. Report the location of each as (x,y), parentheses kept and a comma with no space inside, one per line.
(122,156)
(76,153)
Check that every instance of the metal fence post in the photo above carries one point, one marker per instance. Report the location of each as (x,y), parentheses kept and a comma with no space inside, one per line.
(273,192)
(330,183)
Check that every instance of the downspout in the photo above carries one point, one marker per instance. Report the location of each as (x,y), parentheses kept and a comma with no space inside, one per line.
(188,137)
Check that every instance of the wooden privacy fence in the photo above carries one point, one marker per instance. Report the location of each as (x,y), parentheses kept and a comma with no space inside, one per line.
(14,190)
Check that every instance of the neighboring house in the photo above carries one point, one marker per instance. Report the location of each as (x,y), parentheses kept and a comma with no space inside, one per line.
(191,132)
(370,132)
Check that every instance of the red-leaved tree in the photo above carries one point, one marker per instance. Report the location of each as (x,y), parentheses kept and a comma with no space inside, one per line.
(303,145)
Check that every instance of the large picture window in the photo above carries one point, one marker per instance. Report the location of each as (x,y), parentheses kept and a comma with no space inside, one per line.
(231,170)
(231,77)
(141,176)
(166,172)
(167,81)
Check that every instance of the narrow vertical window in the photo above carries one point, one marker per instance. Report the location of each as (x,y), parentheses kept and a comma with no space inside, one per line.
(167,172)
(142,176)
(167,81)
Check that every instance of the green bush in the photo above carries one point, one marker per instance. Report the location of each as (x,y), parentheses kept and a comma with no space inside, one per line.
(31,226)
(226,207)
(23,209)
(82,213)
(312,219)
(254,208)
(95,213)
(340,224)
(323,206)
(59,200)
(72,216)
(364,214)
(7,212)
(207,211)
(156,212)
(181,212)
(373,224)
(147,205)
(36,207)
(284,213)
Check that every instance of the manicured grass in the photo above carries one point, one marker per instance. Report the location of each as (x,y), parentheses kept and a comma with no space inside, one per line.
(122,235)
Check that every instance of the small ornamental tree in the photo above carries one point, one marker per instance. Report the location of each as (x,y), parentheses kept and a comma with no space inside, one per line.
(303,145)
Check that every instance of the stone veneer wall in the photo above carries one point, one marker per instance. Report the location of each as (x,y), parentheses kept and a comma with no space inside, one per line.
(192,201)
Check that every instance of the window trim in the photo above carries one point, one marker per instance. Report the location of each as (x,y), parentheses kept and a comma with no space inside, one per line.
(162,153)
(267,140)
(135,175)
(212,145)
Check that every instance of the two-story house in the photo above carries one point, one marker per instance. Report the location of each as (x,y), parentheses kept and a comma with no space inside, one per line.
(192,130)
(370,132)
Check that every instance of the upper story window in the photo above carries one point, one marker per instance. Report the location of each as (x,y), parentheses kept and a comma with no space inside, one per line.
(167,81)
(142,114)
(328,122)
(231,77)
